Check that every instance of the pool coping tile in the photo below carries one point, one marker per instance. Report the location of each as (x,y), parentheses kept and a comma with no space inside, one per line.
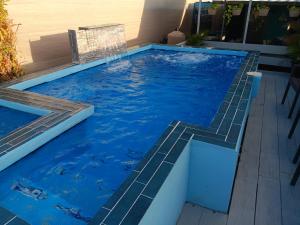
(163,154)
(178,135)
(59,111)
(141,187)
(9,218)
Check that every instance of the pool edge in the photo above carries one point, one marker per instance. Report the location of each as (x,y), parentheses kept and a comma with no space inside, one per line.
(229,143)
(217,140)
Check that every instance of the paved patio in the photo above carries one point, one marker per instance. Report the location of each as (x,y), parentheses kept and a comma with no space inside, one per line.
(262,194)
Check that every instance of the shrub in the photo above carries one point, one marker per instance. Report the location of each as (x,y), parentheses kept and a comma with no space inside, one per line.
(293,41)
(228,11)
(9,65)
(196,40)
(214,6)
(259,6)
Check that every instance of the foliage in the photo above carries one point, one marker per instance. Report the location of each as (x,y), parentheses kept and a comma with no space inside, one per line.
(238,6)
(214,6)
(228,14)
(196,40)
(260,6)
(229,9)
(9,66)
(293,7)
(293,42)
(294,50)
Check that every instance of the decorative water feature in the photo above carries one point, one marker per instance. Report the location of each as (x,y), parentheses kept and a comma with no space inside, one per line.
(96,42)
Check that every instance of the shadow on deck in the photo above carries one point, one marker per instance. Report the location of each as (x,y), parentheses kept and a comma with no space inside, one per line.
(262,194)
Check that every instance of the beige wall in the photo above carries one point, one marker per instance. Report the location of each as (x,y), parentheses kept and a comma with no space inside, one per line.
(42,37)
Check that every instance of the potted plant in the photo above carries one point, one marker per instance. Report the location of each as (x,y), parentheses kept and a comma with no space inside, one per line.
(212,10)
(294,51)
(261,9)
(232,10)
(292,41)
(237,9)
(294,11)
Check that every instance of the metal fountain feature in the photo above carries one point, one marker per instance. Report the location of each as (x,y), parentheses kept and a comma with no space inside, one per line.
(97,42)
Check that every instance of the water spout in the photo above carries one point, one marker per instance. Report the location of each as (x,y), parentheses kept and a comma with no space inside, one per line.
(97,42)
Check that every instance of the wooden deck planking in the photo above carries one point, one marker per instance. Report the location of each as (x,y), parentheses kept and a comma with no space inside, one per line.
(290,196)
(286,147)
(262,194)
(268,192)
(268,205)
(242,209)
(191,214)
(209,217)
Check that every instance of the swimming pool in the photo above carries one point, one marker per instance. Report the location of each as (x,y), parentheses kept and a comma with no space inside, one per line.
(7,124)
(135,98)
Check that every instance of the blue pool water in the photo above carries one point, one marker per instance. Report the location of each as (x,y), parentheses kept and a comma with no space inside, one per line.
(7,124)
(135,98)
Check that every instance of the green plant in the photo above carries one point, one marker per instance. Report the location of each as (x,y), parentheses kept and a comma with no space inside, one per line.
(228,14)
(238,6)
(196,39)
(294,50)
(292,7)
(259,6)
(293,42)
(214,6)
(229,9)
(9,66)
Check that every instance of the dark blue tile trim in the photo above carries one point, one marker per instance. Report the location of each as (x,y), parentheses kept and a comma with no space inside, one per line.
(120,210)
(137,211)
(157,164)
(146,180)
(8,218)
(59,111)
(130,202)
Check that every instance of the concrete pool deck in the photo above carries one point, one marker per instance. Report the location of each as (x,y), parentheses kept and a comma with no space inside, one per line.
(262,194)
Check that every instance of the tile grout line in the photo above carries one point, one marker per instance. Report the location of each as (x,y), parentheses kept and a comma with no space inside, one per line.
(10,220)
(236,110)
(162,162)
(240,77)
(54,117)
(135,179)
(148,182)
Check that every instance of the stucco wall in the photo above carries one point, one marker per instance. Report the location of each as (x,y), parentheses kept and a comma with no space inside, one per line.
(42,37)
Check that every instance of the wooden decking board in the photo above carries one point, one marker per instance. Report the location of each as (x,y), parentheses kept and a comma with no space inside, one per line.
(242,209)
(286,147)
(191,214)
(209,217)
(269,129)
(252,139)
(262,194)
(269,165)
(290,197)
(248,165)
(268,204)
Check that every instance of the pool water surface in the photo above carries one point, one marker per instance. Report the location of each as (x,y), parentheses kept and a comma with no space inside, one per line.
(135,98)
(20,119)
